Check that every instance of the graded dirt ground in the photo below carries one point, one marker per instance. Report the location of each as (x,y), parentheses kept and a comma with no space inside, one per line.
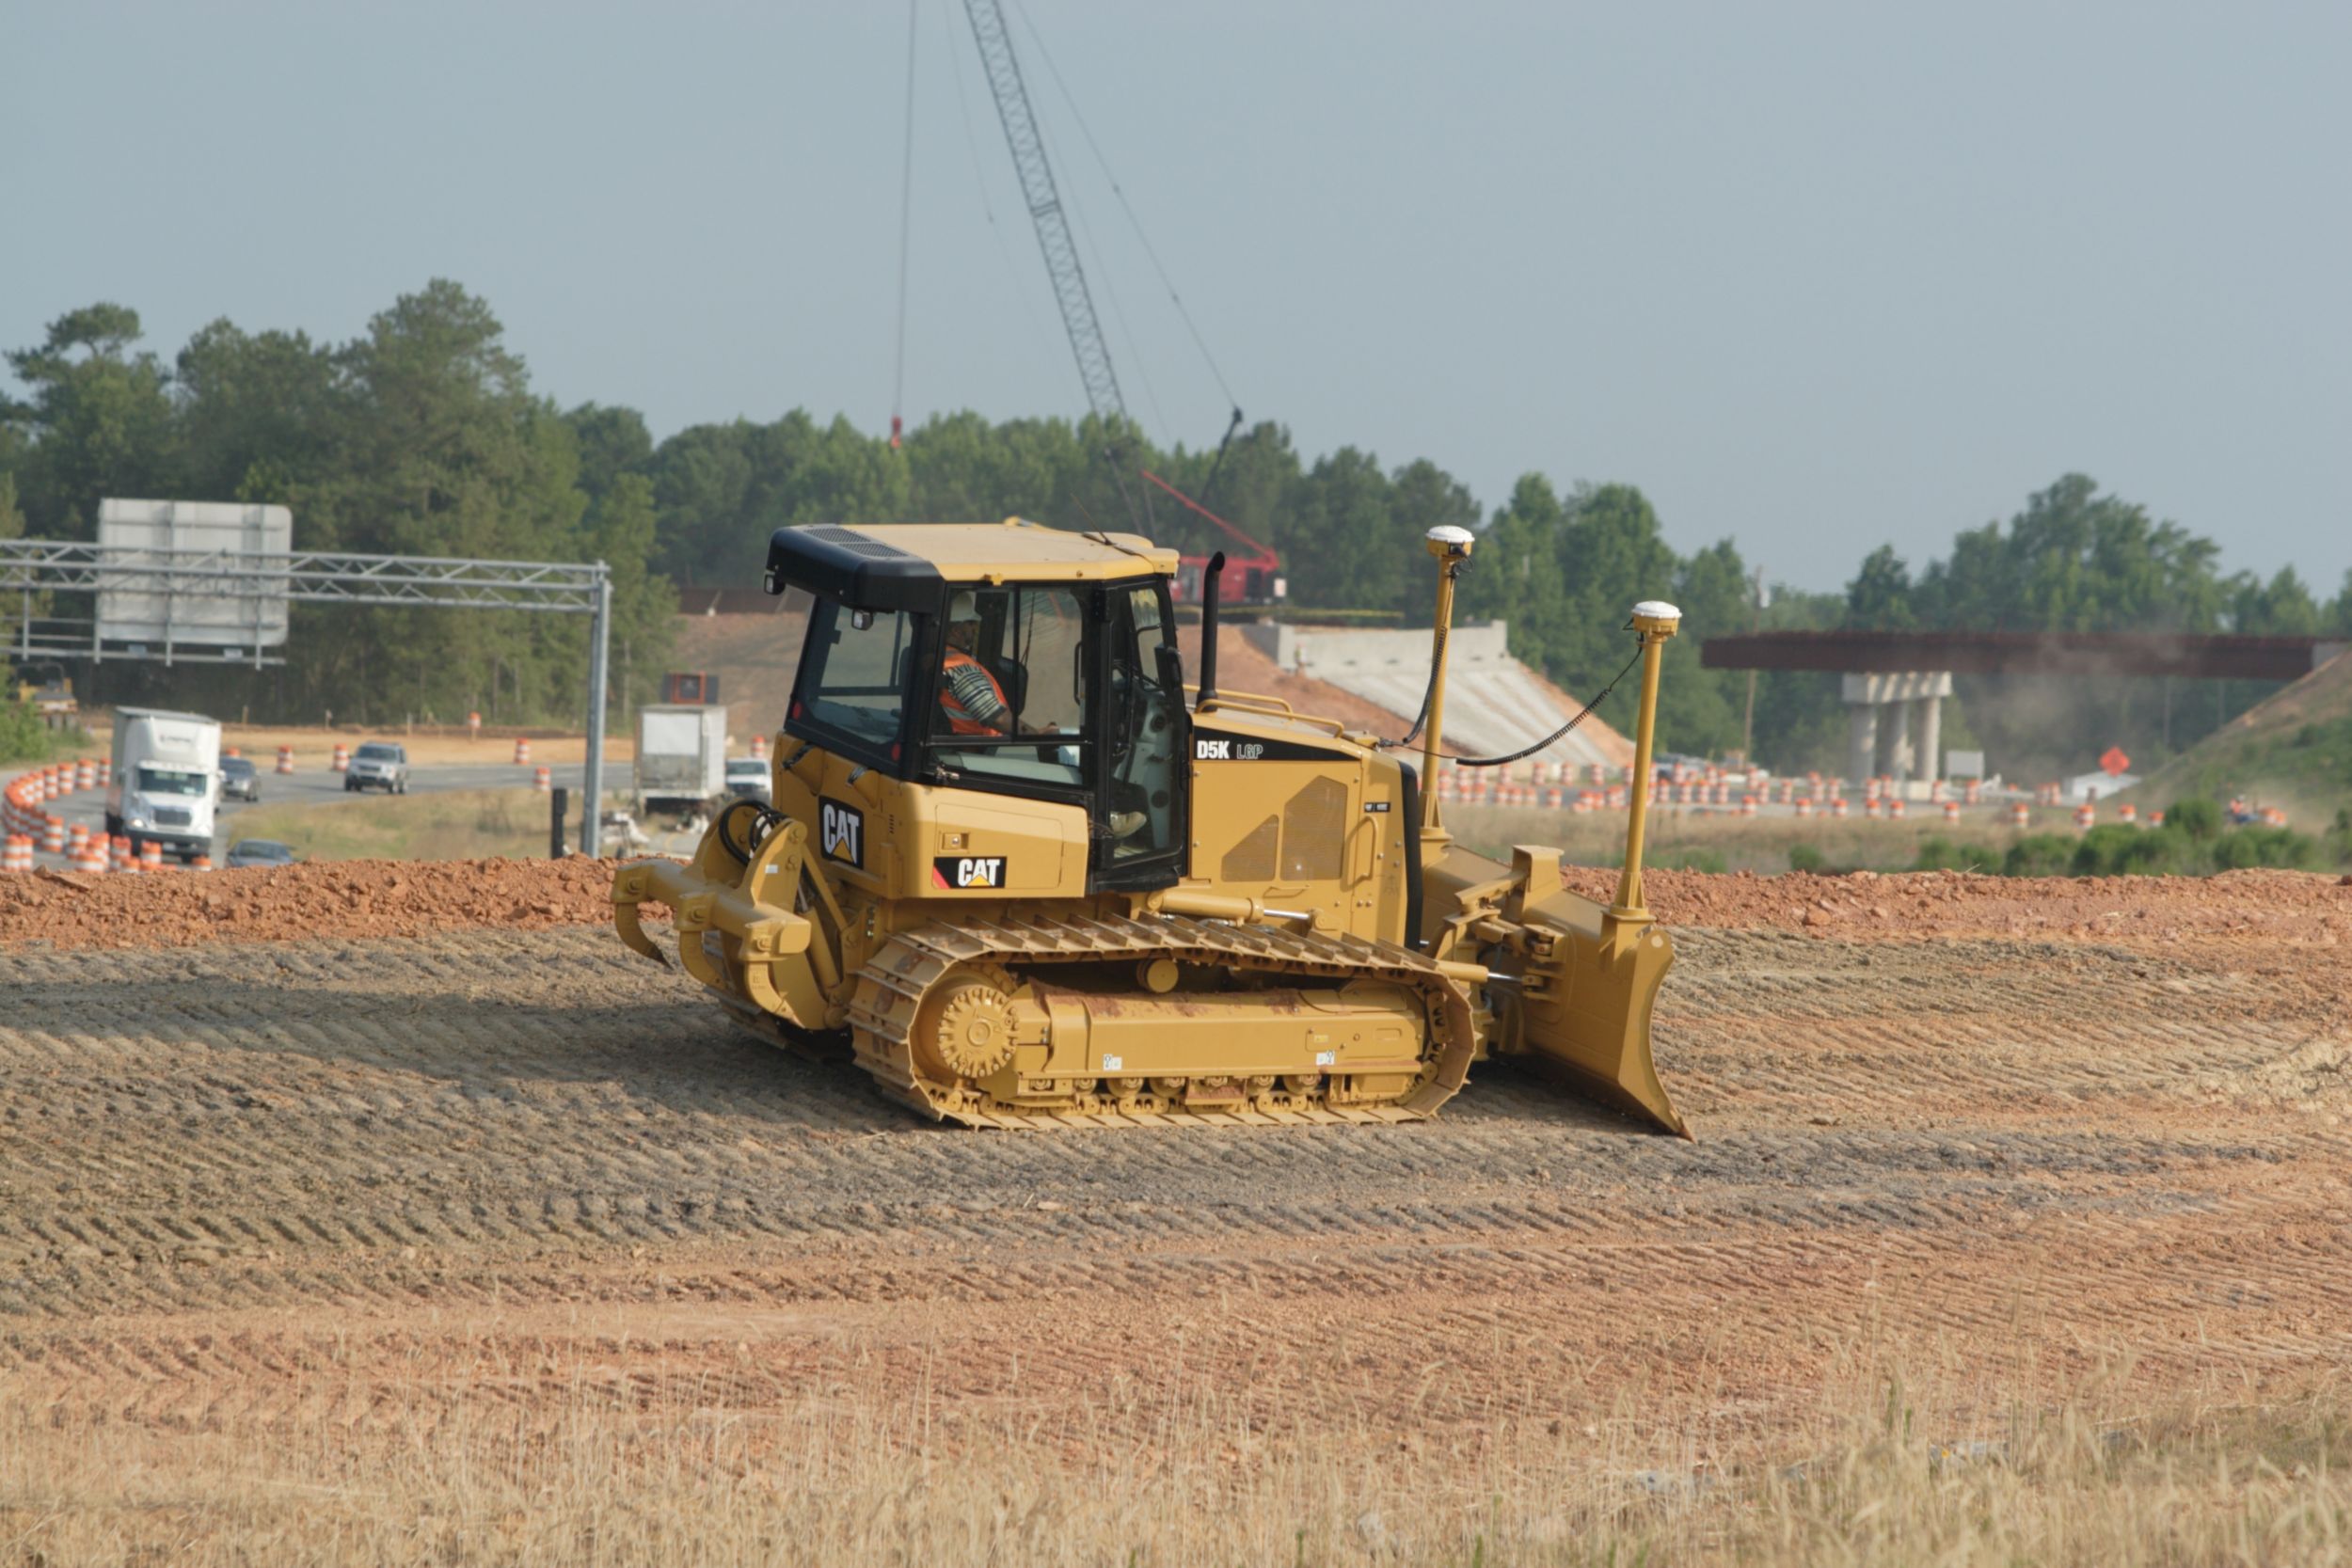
(448,1164)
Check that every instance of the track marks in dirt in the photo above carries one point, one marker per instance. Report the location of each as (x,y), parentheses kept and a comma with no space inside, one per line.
(417,1140)
(237,1129)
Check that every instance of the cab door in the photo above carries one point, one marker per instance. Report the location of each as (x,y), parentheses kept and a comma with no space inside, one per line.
(1140,832)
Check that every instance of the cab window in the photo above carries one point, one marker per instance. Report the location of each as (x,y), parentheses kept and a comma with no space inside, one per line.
(171,781)
(854,670)
(1012,691)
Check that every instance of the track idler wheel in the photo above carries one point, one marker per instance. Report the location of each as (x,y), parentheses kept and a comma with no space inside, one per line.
(966,1027)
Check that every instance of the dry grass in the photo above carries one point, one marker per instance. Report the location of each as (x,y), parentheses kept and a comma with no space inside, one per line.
(1717,841)
(692,1469)
(453,824)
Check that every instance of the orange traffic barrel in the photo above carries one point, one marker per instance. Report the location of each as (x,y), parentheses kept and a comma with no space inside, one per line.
(522,751)
(541,781)
(285,760)
(342,758)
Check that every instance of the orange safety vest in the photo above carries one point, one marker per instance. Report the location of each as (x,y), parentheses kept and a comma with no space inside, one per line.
(962,670)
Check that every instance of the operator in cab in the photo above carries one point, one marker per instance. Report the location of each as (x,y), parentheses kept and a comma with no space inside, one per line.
(970,699)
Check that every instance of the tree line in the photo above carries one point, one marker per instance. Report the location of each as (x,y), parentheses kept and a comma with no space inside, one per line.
(423,435)
(419,436)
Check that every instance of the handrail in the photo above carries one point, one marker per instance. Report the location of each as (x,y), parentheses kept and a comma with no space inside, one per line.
(1272,707)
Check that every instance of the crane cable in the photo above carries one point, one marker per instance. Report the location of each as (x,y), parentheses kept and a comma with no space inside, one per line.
(1125,206)
(906,229)
(1014,273)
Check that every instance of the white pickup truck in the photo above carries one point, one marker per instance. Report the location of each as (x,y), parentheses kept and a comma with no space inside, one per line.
(165,782)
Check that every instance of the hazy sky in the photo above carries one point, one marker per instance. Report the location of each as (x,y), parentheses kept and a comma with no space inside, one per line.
(1814,277)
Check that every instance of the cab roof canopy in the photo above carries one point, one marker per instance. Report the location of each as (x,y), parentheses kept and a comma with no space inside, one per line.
(908,565)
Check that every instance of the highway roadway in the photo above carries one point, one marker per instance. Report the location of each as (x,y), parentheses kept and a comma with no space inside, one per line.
(320,786)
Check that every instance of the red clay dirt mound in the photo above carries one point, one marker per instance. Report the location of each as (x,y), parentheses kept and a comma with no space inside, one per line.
(349,899)
(341,899)
(2287,906)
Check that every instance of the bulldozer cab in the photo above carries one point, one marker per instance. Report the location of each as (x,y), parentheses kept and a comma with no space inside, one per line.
(1003,658)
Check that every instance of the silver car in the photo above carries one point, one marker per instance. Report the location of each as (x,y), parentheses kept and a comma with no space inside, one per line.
(378,765)
(258,851)
(238,780)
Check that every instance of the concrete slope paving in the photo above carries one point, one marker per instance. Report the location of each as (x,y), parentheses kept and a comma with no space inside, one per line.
(1494,704)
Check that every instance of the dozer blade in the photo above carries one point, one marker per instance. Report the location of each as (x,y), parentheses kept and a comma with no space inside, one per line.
(1584,1004)
(1573,982)
(1590,1023)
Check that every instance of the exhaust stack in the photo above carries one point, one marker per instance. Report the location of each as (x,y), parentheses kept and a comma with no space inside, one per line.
(1210,582)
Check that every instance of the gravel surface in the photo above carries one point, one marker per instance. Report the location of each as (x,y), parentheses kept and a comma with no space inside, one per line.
(414,1145)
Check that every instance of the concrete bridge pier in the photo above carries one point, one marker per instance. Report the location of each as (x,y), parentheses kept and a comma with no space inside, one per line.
(1904,691)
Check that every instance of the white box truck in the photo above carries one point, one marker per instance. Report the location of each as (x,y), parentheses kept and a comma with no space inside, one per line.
(681,758)
(166,778)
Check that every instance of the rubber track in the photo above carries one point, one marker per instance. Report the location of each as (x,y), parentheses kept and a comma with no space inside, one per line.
(892,986)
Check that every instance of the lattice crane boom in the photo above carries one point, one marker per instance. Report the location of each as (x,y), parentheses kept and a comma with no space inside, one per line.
(1045,209)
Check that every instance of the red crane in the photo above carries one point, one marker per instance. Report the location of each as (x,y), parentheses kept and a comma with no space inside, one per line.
(1253,573)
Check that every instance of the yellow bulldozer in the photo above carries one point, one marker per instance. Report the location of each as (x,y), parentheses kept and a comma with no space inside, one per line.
(1031,884)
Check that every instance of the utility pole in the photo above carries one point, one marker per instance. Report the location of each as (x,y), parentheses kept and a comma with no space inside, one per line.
(1755,624)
